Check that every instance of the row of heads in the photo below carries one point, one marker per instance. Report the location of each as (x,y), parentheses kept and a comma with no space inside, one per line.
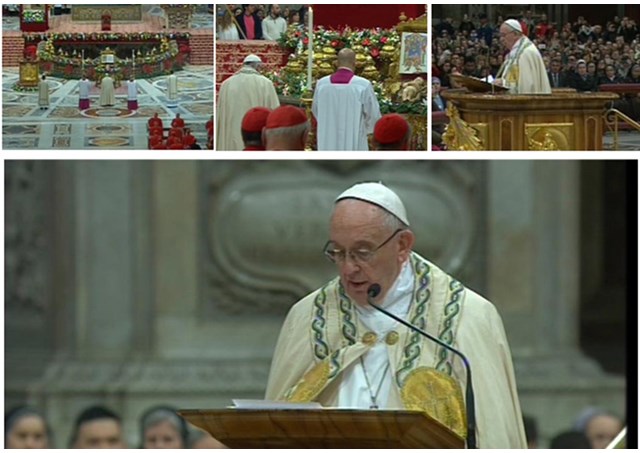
(97,427)
(391,132)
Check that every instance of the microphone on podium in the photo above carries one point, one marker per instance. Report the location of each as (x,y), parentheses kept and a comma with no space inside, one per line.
(372,292)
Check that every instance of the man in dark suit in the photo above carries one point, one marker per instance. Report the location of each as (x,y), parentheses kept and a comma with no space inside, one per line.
(557,78)
(250,23)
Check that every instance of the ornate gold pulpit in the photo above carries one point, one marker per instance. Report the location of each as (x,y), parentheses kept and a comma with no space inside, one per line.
(562,121)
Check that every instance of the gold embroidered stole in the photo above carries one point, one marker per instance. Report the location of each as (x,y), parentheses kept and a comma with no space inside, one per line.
(423,371)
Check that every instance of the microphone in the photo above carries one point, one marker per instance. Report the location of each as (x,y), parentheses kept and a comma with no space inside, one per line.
(372,292)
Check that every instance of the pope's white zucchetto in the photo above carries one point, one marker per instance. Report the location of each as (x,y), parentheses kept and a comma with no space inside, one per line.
(379,195)
(251,58)
(514,25)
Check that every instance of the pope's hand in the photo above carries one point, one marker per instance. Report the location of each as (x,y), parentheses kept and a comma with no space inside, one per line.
(499,82)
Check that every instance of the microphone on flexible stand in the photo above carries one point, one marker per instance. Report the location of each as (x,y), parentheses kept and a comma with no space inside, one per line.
(372,293)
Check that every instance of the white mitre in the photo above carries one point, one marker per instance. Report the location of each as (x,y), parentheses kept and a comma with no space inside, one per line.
(514,25)
(378,194)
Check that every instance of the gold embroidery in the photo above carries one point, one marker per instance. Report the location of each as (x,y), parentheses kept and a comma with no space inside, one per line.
(437,394)
(311,384)
(513,75)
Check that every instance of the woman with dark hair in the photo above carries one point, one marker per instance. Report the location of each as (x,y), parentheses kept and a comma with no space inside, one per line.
(25,427)
(162,427)
(294,18)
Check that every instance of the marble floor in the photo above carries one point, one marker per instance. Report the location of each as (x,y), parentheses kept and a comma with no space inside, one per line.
(63,126)
(628,141)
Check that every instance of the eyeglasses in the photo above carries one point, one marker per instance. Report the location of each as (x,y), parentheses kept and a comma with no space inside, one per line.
(358,256)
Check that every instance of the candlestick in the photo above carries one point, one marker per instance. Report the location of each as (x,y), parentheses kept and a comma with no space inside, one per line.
(83,59)
(310,50)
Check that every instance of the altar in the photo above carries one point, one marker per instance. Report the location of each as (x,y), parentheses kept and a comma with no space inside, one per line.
(143,55)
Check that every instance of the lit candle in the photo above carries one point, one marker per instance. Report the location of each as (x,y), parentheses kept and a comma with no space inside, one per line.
(83,59)
(310,50)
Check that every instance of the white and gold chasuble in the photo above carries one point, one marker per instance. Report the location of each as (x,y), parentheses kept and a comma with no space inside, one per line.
(323,337)
(523,70)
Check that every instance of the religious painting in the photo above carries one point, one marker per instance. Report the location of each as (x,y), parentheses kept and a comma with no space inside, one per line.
(413,54)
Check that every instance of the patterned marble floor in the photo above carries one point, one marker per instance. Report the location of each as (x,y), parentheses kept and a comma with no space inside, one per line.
(63,126)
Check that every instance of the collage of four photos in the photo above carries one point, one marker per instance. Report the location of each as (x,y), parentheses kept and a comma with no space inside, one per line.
(165,287)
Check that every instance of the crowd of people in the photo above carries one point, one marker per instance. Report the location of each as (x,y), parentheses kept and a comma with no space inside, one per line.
(345,113)
(178,136)
(99,427)
(576,54)
(262,22)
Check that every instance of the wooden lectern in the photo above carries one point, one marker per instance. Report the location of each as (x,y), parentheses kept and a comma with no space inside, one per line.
(561,121)
(323,428)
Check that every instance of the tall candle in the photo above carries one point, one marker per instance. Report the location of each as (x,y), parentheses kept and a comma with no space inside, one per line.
(310,50)
(83,59)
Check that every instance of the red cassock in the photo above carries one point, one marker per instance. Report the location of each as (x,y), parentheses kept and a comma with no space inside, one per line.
(175,132)
(189,140)
(177,122)
(155,122)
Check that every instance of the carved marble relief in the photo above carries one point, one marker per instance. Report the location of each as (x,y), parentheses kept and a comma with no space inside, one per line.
(265,223)
(27,244)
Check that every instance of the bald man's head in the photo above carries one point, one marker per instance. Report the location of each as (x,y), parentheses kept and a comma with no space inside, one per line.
(347,59)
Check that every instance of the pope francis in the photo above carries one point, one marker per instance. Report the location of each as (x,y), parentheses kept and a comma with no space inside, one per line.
(337,350)
(523,70)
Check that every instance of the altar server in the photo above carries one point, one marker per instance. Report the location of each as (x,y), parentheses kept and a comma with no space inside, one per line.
(172,90)
(43,93)
(84,87)
(132,94)
(345,107)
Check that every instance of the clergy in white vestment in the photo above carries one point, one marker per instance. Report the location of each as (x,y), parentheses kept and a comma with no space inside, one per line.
(132,94)
(345,107)
(107,92)
(43,93)
(523,70)
(172,89)
(84,88)
(337,350)
(244,90)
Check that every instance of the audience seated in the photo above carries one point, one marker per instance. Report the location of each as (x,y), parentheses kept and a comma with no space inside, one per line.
(97,427)
(464,50)
(162,428)
(25,427)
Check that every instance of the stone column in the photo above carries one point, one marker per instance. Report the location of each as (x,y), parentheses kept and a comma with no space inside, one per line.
(533,278)
(102,286)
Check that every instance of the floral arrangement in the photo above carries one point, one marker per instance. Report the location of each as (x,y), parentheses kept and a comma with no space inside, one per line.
(160,60)
(145,36)
(371,41)
(23,89)
(288,83)
(33,16)
(296,39)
